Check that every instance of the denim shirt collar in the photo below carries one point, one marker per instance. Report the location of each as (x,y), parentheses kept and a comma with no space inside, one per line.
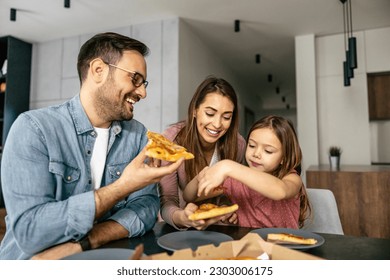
(81,120)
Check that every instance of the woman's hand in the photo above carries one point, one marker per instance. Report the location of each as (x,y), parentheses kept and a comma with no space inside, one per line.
(231,218)
(181,218)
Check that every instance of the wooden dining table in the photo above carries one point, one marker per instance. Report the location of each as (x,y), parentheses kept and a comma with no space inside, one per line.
(335,247)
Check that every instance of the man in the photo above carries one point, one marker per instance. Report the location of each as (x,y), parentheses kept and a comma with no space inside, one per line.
(74,176)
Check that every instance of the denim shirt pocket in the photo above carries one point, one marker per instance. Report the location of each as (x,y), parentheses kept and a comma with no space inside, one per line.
(67,177)
(114,172)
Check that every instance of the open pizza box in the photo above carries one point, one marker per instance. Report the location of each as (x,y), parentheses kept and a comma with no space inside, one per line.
(251,245)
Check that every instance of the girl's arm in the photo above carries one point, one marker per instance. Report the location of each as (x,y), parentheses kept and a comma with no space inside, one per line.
(264,183)
(191,190)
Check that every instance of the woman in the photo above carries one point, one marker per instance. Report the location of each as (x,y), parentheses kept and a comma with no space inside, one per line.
(210,132)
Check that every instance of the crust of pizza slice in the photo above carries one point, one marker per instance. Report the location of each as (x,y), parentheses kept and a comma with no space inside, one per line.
(209,210)
(287,238)
(238,258)
(160,147)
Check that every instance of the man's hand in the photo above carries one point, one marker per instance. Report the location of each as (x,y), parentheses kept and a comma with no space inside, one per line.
(139,174)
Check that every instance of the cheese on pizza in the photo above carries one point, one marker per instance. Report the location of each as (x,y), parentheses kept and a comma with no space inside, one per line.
(287,238)
(160,147)
(209,210)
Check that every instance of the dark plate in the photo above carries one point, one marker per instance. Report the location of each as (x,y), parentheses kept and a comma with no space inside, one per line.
(103,254)
(191,239)
(305,234)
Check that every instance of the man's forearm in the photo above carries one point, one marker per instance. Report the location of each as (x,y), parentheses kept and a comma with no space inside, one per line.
(107,197)
(106,232)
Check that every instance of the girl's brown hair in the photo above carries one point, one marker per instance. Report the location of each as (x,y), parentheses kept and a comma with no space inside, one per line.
(189,137)
(291,155)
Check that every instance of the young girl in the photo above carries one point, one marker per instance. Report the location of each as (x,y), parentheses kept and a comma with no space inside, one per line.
(269,191)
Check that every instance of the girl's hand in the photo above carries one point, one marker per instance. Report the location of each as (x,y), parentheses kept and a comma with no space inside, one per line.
(210,178)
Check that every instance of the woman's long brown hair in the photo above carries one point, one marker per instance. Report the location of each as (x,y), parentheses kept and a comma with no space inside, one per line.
(292,155)
(189,137)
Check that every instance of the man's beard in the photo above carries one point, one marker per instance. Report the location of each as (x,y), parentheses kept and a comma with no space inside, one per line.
(108,107)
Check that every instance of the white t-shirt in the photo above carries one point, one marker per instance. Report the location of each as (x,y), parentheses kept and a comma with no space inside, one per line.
(99,155)
(215,158)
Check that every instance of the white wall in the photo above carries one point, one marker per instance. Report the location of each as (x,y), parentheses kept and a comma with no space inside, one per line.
(306,100)
(341,113)
(176,65)
(197,62)
(55,79)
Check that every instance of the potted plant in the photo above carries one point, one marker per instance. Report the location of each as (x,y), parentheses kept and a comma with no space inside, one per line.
(334,157)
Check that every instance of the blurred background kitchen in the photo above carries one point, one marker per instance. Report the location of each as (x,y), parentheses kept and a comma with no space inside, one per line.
(282,57)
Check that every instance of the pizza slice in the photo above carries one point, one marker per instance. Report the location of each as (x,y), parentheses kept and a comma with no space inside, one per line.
(160,147)
(287,238)
(209,210)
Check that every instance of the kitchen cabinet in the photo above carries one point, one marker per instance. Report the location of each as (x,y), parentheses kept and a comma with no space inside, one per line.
(15,89)
(378,96)
(362,194)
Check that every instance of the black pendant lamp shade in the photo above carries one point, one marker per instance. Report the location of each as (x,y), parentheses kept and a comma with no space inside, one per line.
(258,58)
(350,62)
(12,14)
(236,25)
(352,52)
(347,80)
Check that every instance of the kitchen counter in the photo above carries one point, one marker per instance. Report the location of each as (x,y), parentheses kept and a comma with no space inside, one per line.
(362,193)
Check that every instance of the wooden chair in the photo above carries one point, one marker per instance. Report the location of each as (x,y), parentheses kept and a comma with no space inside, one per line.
(325,215)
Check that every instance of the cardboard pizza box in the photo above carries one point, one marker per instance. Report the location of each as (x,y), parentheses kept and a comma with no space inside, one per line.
(251,245)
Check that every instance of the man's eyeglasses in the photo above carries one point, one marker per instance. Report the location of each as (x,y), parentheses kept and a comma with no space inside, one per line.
(136,77)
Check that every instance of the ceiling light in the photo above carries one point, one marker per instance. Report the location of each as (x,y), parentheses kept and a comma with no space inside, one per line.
(350,62)
(12,15)
(258,58)
(236,25)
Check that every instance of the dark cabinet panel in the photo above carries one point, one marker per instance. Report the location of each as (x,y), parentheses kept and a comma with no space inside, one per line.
(16,81)
(379,96)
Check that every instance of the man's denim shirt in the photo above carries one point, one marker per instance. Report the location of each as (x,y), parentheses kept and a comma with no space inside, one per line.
(46,179)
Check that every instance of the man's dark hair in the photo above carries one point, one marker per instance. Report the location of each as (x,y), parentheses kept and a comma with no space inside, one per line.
(109,47)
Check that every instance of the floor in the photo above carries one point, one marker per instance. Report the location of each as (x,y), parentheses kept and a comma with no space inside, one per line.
(2,223)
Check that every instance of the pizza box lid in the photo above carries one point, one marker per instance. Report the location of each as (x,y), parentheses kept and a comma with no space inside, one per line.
(251,245)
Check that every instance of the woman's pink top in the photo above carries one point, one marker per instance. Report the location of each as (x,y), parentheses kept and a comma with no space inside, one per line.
(258,211)
(171,186)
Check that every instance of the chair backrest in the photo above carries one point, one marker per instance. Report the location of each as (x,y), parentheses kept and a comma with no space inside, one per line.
(325,215)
